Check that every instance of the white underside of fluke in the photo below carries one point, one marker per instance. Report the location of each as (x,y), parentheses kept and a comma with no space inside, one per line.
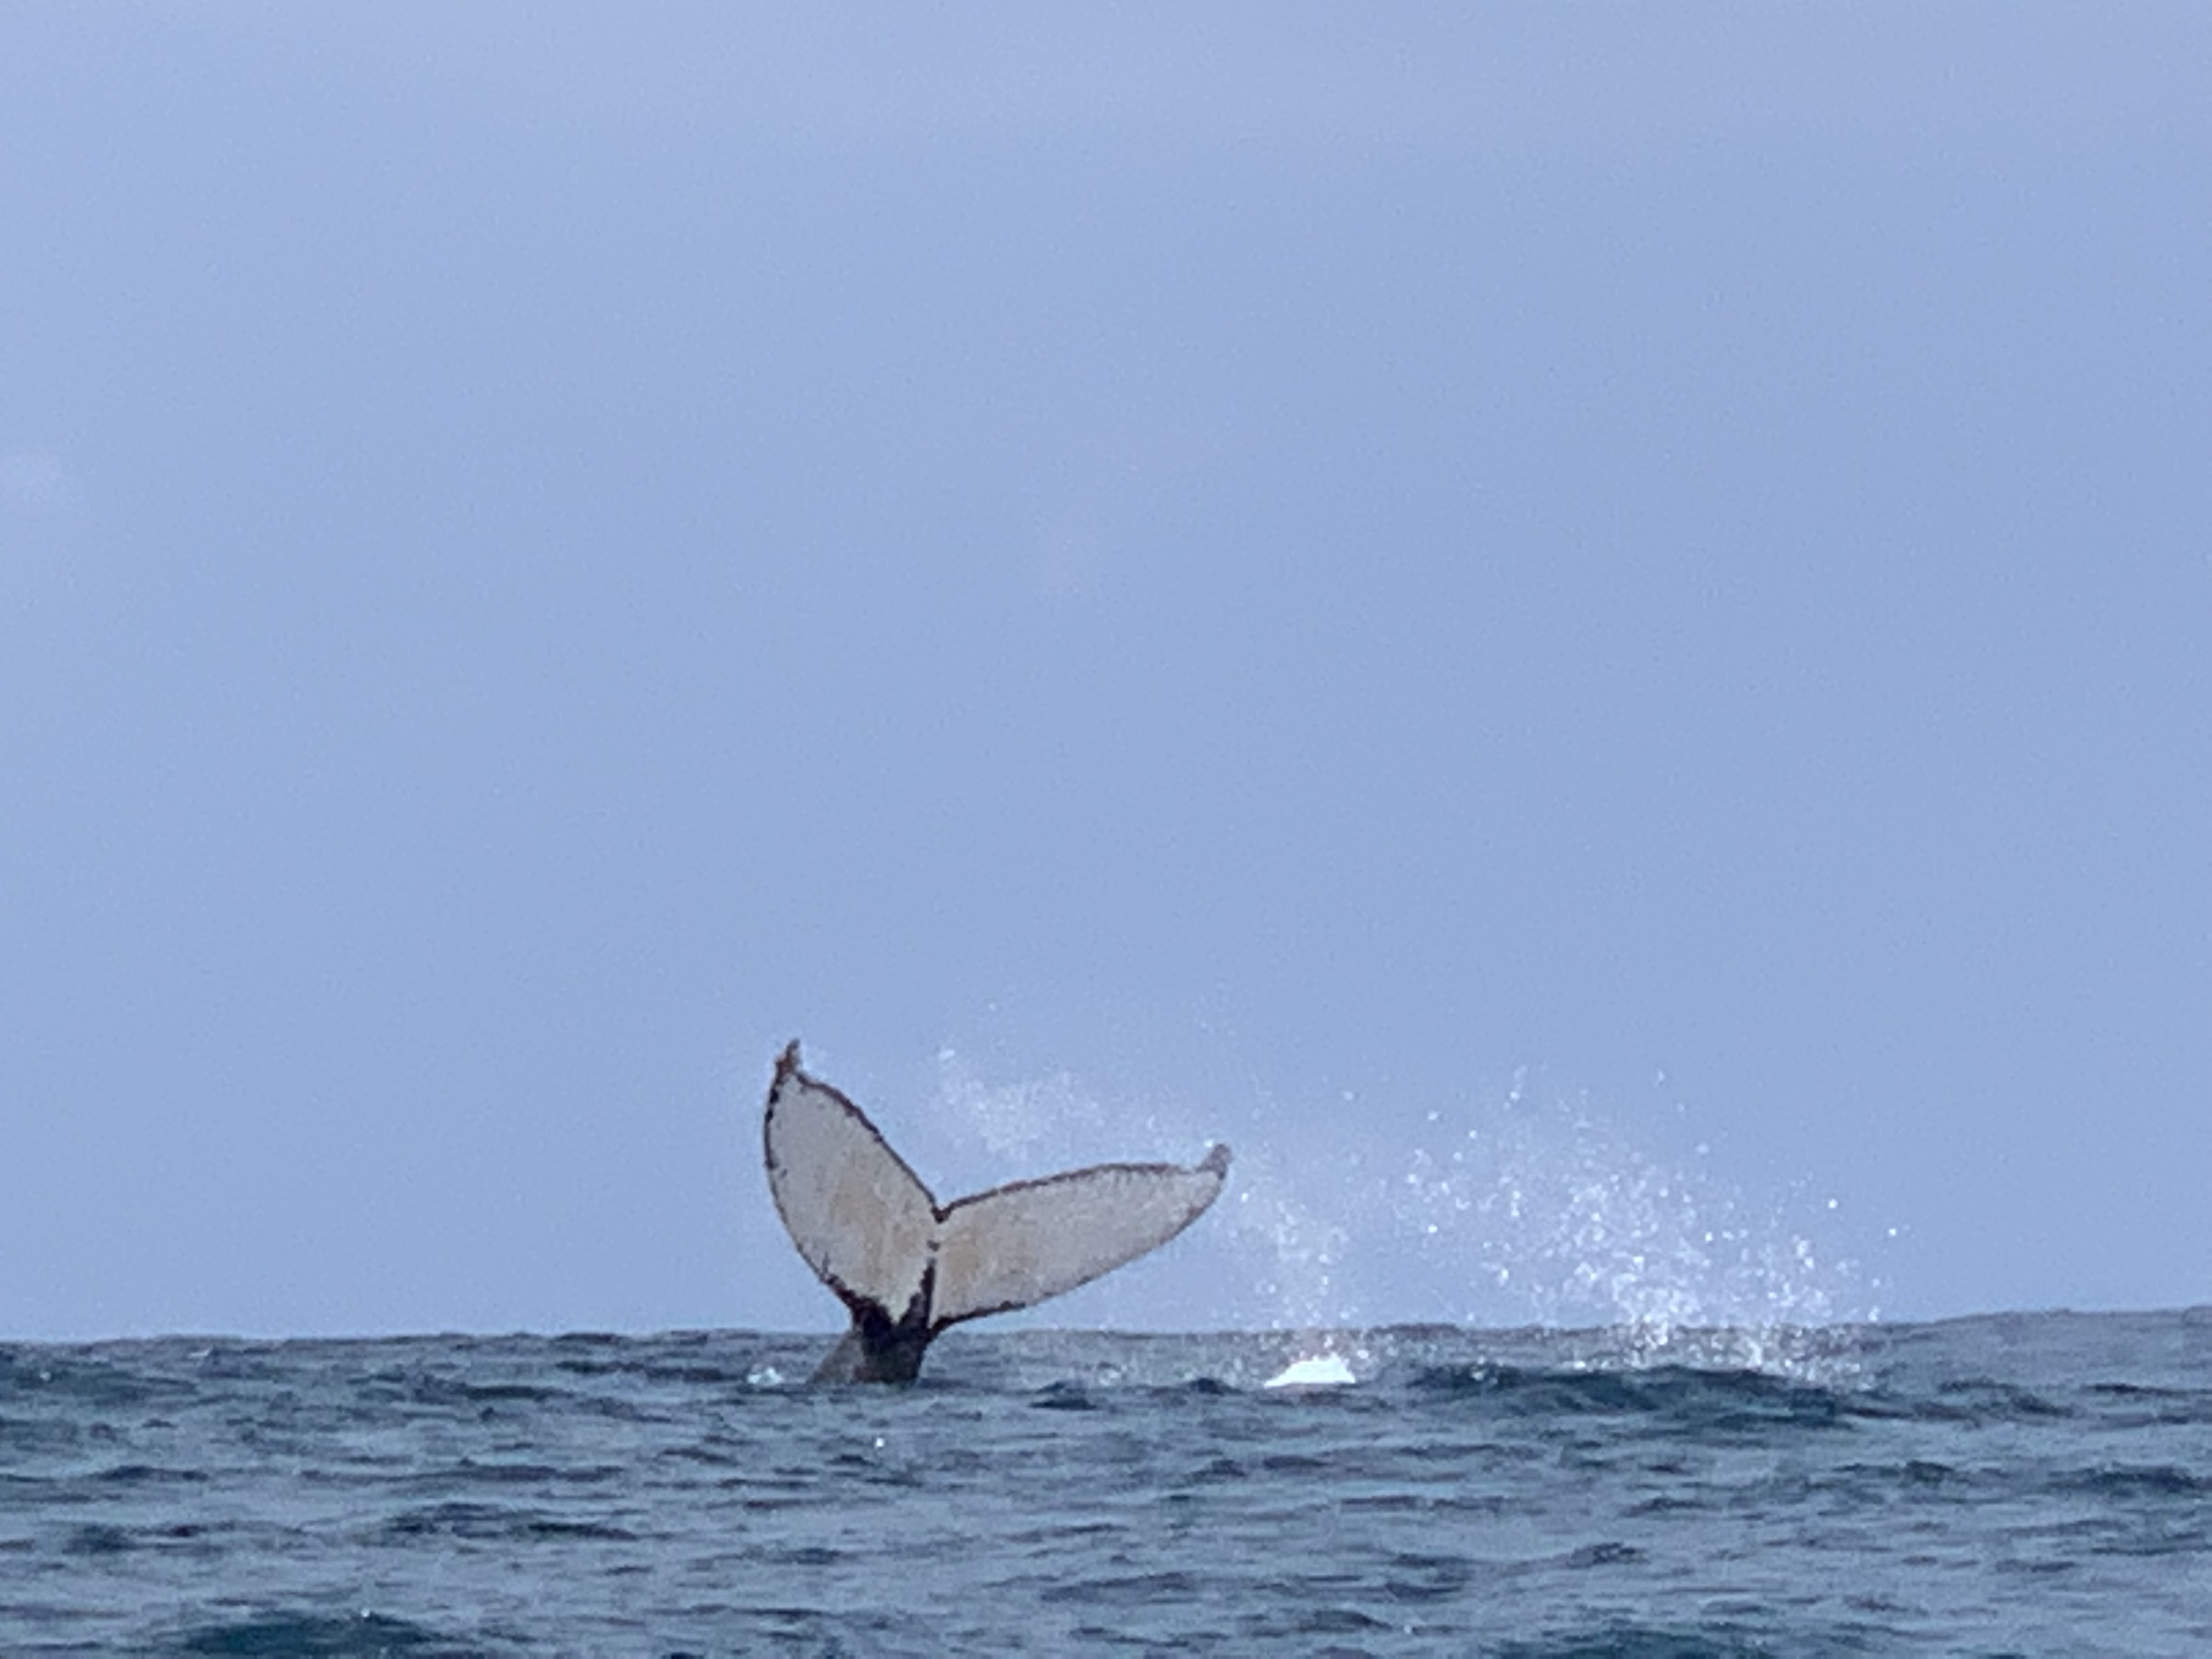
(869,1228)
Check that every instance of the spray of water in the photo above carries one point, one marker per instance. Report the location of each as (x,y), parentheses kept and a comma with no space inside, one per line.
(1531,1207)
(1042,1118)
(1540,1203)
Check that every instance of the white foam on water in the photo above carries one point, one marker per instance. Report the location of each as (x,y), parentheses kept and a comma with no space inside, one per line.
(1322,1370)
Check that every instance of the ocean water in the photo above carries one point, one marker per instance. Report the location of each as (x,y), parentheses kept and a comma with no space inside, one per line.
(2029,1485)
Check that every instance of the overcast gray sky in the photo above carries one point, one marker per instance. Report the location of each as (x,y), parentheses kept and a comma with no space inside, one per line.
(1583,627)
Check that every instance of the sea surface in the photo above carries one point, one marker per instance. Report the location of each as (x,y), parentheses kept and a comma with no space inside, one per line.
(2029,1484)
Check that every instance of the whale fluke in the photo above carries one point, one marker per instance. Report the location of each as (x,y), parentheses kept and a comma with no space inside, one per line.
(906,1267)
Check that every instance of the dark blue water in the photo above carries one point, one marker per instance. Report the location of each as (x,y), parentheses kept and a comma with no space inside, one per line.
(2019,1484)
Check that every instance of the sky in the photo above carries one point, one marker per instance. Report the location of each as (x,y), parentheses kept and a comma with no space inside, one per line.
(1583,629)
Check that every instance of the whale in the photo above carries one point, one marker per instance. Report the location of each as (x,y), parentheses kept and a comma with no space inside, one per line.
(908,1267)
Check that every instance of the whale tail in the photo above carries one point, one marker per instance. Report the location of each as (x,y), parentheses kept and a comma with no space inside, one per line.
(906,1267)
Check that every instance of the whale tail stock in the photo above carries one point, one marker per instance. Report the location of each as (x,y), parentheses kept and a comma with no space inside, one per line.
(906,1267)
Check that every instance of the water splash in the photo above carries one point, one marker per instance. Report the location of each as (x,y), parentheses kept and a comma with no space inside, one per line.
(1296,1250)
(1529,1207)
(1549,1206)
